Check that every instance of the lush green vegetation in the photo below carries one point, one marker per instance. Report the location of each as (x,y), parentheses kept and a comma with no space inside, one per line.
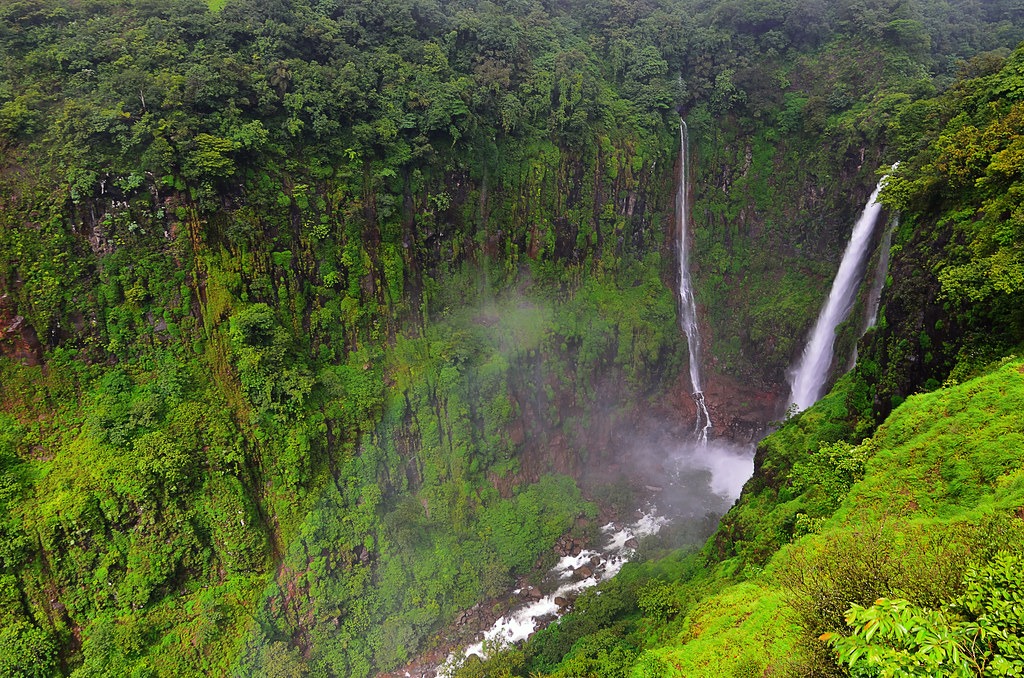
(283,417)
(309,310)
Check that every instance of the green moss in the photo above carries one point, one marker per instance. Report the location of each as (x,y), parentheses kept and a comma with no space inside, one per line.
(747,630)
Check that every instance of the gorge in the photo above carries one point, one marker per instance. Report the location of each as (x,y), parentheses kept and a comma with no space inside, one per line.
(325,326)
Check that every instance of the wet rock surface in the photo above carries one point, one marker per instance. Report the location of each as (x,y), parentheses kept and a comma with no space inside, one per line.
(569,546)
(583,572)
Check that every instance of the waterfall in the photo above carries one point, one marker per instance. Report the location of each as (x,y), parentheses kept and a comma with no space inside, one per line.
(687,305)
(808,380)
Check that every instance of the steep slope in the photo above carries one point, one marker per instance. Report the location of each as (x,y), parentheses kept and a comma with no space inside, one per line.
(940,489)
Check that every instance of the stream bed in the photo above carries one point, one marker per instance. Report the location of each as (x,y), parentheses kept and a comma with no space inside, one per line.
(701,482)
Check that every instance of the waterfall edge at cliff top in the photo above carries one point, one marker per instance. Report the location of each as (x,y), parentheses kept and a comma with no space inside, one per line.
(687,304)
(811,374)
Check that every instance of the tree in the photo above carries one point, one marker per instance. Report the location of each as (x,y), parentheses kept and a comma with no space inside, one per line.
(979,634)
(26,650)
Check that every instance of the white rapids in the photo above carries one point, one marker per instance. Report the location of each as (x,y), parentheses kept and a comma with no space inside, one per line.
(604,564)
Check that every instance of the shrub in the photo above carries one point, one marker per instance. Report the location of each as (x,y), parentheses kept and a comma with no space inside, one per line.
(980,632)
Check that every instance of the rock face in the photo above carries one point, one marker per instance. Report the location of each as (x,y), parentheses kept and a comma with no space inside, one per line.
(362,555)
(18,339)
(913,308)
(791,240)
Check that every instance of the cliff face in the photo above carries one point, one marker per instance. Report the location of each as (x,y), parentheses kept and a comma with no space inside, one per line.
(305,398)
(18,340)
(772,214)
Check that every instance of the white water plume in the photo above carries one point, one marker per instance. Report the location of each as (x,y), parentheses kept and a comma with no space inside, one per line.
(687,305)
(810,376)
(704,479)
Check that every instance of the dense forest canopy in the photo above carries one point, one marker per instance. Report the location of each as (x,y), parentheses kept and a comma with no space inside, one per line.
(322,322)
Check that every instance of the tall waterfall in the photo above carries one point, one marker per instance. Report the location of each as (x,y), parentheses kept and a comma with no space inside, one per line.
(687,306)
(808,380)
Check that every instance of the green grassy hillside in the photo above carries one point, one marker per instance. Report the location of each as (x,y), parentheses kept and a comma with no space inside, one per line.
(942,490)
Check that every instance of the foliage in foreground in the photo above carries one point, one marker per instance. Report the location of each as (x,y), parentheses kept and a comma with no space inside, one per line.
(978,632)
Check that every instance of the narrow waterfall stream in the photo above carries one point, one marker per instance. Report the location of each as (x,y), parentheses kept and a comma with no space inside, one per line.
(811,374)
(881,271)
(877,284)
(687,305)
